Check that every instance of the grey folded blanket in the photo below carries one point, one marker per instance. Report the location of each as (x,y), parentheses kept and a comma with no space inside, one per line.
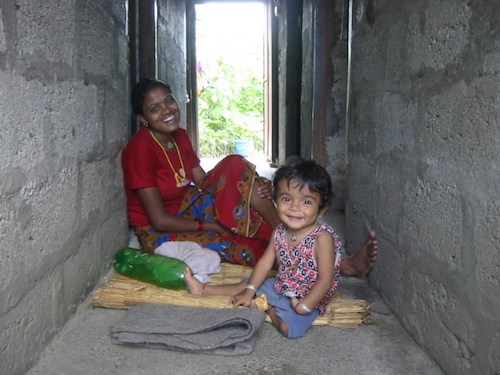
(191,329)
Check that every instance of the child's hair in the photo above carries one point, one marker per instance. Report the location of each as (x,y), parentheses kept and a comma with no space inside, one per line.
(307,173)
(140,91)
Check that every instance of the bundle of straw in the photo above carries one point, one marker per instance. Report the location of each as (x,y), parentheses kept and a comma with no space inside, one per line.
(123,292)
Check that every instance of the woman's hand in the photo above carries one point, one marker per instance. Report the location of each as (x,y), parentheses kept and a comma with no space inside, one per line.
(243,299)
(264,190)
(215,227)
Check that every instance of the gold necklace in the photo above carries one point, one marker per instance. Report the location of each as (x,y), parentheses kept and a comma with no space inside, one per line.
(293,236)
(180,180)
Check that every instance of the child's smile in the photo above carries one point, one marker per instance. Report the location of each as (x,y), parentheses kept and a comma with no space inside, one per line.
(298,207)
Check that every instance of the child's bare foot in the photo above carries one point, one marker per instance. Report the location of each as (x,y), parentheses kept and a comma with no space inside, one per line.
(193,284)
(361,263)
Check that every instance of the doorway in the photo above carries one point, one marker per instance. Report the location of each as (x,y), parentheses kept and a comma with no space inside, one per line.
(230,66)
(162,36)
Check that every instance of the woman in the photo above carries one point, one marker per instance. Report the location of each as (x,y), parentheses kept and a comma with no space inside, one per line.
(169,196)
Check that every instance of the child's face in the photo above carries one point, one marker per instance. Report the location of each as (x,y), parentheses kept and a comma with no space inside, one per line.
(297,207)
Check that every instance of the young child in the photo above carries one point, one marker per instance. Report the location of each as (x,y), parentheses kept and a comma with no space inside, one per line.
(307,254)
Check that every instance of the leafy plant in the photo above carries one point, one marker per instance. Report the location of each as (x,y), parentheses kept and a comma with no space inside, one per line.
(229,109)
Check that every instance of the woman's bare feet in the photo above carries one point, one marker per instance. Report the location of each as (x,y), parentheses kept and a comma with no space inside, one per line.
(193,284)
(361,263)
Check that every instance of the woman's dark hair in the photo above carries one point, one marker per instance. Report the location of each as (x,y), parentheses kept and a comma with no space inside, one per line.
(306,173)
(140,91)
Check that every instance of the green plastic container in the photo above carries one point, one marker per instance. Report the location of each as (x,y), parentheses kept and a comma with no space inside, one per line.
(151,268)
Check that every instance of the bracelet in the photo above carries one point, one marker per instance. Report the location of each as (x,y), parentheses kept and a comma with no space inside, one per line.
(304,307)
(250,286)
(200,225)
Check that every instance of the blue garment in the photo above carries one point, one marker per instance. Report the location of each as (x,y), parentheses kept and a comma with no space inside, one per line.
(297,324)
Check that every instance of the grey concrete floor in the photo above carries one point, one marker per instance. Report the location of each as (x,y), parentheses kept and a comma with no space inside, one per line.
(84,346)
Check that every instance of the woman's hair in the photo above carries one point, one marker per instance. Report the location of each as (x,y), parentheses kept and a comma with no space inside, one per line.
(140,91)
(306,173)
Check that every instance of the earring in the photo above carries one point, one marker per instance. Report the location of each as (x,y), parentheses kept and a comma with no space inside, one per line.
(145,124)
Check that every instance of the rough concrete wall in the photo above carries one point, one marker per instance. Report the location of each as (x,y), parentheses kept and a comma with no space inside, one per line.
(424,170)
(336,145)
(63,79)
(172,49)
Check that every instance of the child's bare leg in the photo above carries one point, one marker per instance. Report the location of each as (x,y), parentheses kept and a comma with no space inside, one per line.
(277,321)
(264,206)
(200,289)
(361,263)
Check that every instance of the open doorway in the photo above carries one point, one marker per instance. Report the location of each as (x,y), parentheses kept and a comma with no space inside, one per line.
(230,77)
(228,44)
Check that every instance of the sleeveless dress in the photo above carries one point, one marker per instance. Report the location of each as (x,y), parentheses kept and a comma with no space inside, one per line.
(297,268)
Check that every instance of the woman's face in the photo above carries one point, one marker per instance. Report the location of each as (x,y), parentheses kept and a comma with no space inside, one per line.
(161,111)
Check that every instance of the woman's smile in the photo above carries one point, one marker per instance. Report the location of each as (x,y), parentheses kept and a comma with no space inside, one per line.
(161,113)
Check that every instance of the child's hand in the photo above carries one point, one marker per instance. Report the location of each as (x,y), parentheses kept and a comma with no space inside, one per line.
(242,299)
(297,305)
(293,302)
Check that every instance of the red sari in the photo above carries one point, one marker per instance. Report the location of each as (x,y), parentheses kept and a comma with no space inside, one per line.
(224,195)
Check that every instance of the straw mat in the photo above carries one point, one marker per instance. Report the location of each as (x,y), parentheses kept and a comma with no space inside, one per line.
(123,292)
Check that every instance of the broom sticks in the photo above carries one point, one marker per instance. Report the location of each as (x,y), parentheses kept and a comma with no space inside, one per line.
(123,292)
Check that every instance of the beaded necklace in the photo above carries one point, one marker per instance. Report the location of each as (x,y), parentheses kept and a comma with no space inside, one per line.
(180,178)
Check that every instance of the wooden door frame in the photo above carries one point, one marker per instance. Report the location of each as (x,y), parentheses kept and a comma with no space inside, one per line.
(271,97)
(142,45)
(191,77)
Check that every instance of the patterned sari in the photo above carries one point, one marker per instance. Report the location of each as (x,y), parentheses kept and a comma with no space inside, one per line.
(224,195)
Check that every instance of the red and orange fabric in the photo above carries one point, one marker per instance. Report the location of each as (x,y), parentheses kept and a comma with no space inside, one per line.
(223,195)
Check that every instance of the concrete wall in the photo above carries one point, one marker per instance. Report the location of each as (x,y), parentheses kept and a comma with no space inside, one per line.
(172,49)
(424,169)
(335,142)
(63,112)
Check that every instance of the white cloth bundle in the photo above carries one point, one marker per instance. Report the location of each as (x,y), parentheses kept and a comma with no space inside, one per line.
(201,260)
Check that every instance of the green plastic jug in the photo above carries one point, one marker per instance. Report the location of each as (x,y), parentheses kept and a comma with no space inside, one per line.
(151,268)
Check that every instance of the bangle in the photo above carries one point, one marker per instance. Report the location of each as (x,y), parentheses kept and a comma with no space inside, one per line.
(250,286)
(305,308)
(200,225)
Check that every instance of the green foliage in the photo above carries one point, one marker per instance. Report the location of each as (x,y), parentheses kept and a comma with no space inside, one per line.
(229,109)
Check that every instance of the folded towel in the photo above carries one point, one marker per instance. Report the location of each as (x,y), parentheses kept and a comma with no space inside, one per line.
(201,260)
(226,332)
